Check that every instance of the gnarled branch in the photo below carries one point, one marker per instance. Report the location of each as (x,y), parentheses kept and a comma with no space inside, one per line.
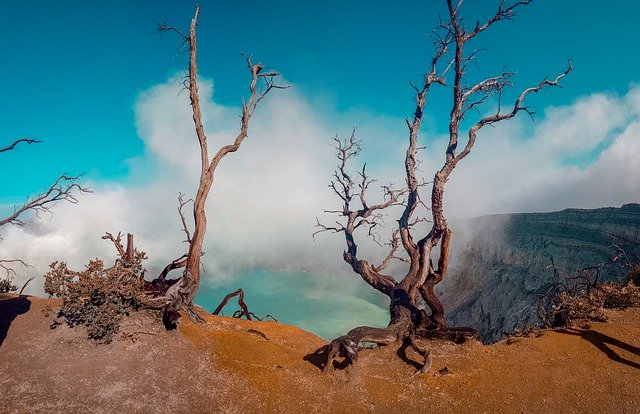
(367,215)
(63,189)
(262,82)
(16,142)
(5,264)
(181,204)
(243,306)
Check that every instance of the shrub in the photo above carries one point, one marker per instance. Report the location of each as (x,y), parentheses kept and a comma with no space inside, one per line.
(6,285)
(589,306)
(633,275)
(96,297)
(567,308)
(616,296)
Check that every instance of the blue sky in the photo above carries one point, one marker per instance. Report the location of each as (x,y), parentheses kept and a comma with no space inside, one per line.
(72,71)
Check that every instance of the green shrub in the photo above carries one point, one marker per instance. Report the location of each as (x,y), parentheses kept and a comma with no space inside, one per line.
(96,297)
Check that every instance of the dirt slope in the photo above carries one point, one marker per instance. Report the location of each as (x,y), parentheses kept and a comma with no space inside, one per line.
(230,365)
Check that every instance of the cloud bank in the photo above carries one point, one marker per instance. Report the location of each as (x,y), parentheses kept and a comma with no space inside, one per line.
(266,196)
(584,155)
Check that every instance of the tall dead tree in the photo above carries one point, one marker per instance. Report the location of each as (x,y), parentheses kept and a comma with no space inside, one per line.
(180,294)
(64,188)
(409,322)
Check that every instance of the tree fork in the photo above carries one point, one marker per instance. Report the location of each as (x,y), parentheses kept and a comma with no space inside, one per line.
(407,321)
(181,294)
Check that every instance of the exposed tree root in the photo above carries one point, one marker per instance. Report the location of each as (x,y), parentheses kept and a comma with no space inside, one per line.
(411,325)
(357,212)
(244,311)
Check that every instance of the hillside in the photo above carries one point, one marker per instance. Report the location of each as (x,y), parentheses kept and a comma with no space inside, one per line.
(231,365)
(503,262)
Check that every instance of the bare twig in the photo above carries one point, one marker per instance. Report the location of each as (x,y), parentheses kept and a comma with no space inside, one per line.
(63,189)
(9,270)
(25,284)
(181,204)
(16,142)
(117,242)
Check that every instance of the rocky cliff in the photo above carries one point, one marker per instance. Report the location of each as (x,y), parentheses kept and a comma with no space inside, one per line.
(503,263)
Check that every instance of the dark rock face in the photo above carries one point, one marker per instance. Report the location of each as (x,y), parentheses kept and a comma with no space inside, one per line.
(503,263)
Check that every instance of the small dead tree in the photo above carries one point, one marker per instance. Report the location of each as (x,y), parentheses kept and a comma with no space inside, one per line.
(125,280)
(64,188)
(180,294)
(409,322)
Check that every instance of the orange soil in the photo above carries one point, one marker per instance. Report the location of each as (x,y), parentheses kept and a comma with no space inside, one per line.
(231,365)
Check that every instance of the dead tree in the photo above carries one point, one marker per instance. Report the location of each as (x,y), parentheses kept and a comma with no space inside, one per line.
(409,322)
(64,188)
(180,294)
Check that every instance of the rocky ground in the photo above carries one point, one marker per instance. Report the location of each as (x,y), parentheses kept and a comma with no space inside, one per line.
(231,365)
(503,263)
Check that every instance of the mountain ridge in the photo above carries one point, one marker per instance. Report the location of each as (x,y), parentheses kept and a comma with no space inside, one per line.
(503,262)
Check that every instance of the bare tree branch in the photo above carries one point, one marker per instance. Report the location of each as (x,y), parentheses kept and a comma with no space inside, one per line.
(322,228)
(503,13)
(164,27)
(178,263)
(16,142)
(244,310)
(62,189)
(182,294)
(117,242)
(517,107)
(5,264)
(181,204)
(25,284)
(367,216)
(393,244)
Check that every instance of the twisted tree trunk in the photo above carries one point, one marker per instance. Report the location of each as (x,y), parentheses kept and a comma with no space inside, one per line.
(181,294)
(408,321)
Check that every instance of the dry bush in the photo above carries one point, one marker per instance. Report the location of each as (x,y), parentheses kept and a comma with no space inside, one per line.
(96,297)
(633,275)
(6,285)
(589,306)
(567,308)
(616,296)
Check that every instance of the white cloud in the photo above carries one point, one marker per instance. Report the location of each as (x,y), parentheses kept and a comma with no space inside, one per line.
(266,196)
(261,210)
(584,155)
(578,128)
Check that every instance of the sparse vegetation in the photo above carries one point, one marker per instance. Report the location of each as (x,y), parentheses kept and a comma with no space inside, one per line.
(64,188)
(586,300)
(6,285)
(633,274)
(98,298)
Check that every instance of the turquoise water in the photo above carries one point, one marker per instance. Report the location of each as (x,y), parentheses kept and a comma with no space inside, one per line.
(328,306)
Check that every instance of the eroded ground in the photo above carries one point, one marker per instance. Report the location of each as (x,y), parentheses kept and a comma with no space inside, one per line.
(231,365)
